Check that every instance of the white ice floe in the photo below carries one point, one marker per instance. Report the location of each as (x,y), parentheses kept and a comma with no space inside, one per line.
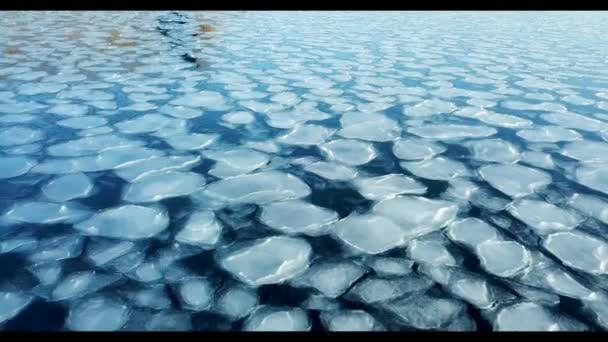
(332,171)
(386,266)
(471,232)
(45,213)
(549,134)
(376,289)
(527,316)
(430,108)
(268,261)
(266,318)
(543,217)
(297,217)
(306,135)
(258,188)
(236,302)
(579,251)
(210,100)
(503,258)
(239,118)
(91,145)
(202,229)
(156,187)
(15,166)
(587,151)
(180,112)
(538,159)
(430,252)
(190,142)
(370,127)
(594,176)
(349,152)
(69,109)
(426,312)
(20,135)
(452,131)
(83,122)
(513,179)
(416,149)
(129,222)
(235,162)
(350,320)
(370,234)
(590,205)
(576,121)
(494,150)
(102,251)
(144,124)
(382,187)
(144,166)
(97,313)
(12,303)
(331,278)
(196,294)
(82,283)
(68,187)
(438,168)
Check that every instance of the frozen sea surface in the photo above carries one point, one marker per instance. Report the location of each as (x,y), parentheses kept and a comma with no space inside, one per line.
(359,171)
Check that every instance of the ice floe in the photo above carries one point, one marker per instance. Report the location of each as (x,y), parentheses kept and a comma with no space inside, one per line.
(129,222)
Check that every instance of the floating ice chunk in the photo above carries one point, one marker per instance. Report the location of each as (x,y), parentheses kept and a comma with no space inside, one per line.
(202,229)
(68,187)
(528,316)
(417,215)
(12,303)
(438,168)
(513,179)
(97,314)
(180,112)
(298,217)
(168,321)
(370,234)
(576,121)
(15,166)
(416,149)
(266,318)
(264,146)
(155,165)
(593,176)
(83,122)
(534,294)
(430,252)
(236,162)
(20,107)
(375,289)
(148,271)
(91,145)
(538,159)
(19,135)
(382,187)
(471,232)
(332,171)
(578,100)
(503,258)
(549,134)
(349,152)
(196,294)
(153,297)
(101,251)
(57,248)
(429,108)
(207,99)
(236,302)
(587,151)
(44,213)
(426,312)
(17,118)
(286,98)
(69,109)
(543,217)
(268,261)
(156,187)
(590,205)
(350,320)
(452,131)
(95,131)
(82,283)
(36,88)
(239,118)
(129,222)
(258,188)
(122,157)
(144,124)
(579,251)
(377,130)
(494,150)
(306,135)
(504,120)
(386,266)
(331,278)
(320,302)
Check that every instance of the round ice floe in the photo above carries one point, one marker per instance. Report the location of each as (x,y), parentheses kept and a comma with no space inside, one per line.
(236,302)
(202,229)
(416,149)
(235,162)
(372,130)
(191,141)
(180,112)
(430,252)
(493,150)
(349,152)
(12,303)
(550,134)
(268,261)
(97,314)
(349,320)
(594,176)
(579,251)
(141,167)
(129,222)
(513,179)
(91,145)
(239,118)
(144,124)
(378,188)
(587,151)
(266,318)
(19,135)
(590,205)
(332,171)
(331,278)
(538,159)
(543,217)
(525,317)
(196,294)
(153,188)
(15,166)
(376,289)
(438,168)
(471,232)
(258,188)
(576,121)
(429,108)
(297,217)
(83,122)
(69,109)
(82,283)
(122,157)
(452,131)
(370,234)
(206,99)
(45,213)
(503,258)
(68,187)
(306,135)
(426,312)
